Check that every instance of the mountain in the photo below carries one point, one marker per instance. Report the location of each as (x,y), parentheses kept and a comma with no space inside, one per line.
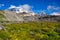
(28,16)
(42,14)
(8,15)
(50,18)
(13,16)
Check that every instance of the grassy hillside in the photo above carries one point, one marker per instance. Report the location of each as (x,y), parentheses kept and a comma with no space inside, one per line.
(31,31)
(2,17)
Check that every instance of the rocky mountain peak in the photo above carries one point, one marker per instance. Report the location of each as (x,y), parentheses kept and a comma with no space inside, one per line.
(42,14)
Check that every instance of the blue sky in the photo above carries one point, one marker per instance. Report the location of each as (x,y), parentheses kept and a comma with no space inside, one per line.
(38,5)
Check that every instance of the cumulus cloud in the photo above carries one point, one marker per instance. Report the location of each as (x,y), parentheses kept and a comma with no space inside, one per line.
(53,8)
(21,8)
(12,6)
(55,13)
(1,5)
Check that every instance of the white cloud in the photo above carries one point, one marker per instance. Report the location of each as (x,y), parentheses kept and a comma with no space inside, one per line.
(55,13)
(1,5)
(26,7)
(21,8)
(12,6)
(53,8)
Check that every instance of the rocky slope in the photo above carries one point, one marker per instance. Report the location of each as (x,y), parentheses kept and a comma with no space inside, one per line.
(7,15)
(13,16)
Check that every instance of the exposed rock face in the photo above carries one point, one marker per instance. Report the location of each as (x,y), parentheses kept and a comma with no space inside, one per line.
(12,16)
(43,14)
(28,16)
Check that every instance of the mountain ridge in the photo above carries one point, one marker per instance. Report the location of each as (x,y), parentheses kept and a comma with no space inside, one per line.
(23,16)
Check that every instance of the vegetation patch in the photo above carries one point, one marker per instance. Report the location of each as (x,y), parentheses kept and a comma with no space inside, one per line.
(31,31)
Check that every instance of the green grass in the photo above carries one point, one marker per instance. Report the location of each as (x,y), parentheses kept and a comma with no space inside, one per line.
(1,14)
(2,17)
(31,31)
